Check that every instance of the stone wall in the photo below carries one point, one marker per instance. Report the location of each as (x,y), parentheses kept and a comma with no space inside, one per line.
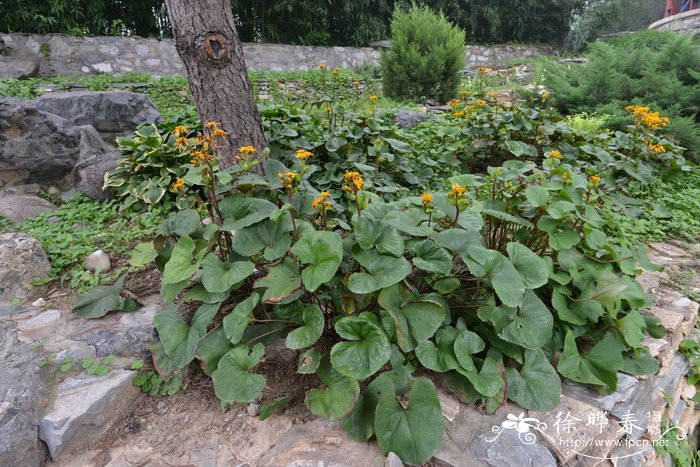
(63,54)
(688,22)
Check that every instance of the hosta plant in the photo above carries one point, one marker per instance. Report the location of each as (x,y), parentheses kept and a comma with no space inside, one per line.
(505,283)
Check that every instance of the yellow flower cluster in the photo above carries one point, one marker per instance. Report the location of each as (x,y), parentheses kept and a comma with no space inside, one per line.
(479,102)
(657,148)
(459,114)
(353,181)
(211,124)
(288,178)
(178,185)
(303,154)
(181,142)
(426,199)
(595,180)
(336,70)
(198,157)
(373,98)
(457,192)
(247,150)
(555,154)
(454,103)
(180,130)
(544,95)
(323,202)
(481,69)
(644,116)
(323,67)
(219,133)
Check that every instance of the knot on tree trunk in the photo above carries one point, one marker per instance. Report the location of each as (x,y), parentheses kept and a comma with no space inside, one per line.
(217,48)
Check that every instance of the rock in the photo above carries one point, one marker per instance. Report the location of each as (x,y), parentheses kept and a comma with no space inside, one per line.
(38,327)
(38,303)
(320,442)
(41,147)
(508,450)
(22,207)
(18,63)
(22,260)
(85,409)
(278,350)
(392,460)
(407,119)
(90,176)
(669,319)
(98,261)
(253,409)
(111,113)
(23,390)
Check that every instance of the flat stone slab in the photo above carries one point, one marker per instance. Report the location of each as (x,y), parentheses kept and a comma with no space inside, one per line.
(85,409)
(19,208)
(38,327)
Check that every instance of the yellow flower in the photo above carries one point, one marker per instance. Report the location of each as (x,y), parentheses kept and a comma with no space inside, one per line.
(481,69)
(200,156)
(555,154)
(178,185)
(356,82)
(595,180)
(373,98)
(247,150)
(637,109)
(464,92)
(491,94)
(329,109)
(181,142)
(353,181)
(218,132)
(288,178)
(454,103)
(322,203)
(180,130)
(323,67)
(657,148)
(644,116)
(426,199)
(479,102)
(459,114)
(303,154)
(544,95)
(457,192)
(211,124)
(336,70)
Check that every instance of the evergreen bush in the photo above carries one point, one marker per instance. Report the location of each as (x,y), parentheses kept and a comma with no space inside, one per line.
(426,56)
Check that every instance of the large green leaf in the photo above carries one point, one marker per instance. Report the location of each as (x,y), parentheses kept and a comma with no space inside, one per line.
(410,221)
(537,385)
(232,380)
(488,380)
(181,223)
(536,195)
(359,423)
(366,352)
(532,268)
(564,240)
(179,338)
(184,261)
(439,355)
(415,320)
(143,254)
(532,327)
(236,322)
(211,348)
(281,282)
(270,237)
(337,400)
(383,271)
(240,210)
(505,279)
(414,433)
(458,241)
(465,345)
(310,332)
(102,299)
(370,232)
(599,366)
(632,327)
(432,258)
(218,276)
(308,362)
(322,252)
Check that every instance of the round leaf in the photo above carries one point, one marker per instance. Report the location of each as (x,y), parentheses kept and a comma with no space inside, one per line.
(367,351)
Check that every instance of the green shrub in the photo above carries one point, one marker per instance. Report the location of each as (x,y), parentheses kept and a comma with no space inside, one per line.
(426,57)
(650,68)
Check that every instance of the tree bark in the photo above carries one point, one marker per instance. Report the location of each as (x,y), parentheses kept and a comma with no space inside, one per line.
(207,41)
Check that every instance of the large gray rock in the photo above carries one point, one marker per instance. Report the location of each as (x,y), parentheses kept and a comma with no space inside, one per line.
(111,113)
(18,62)
(23,390)
(19,208)
(89,176)
(407,119)
(86,408)
(22,260)
(42,147)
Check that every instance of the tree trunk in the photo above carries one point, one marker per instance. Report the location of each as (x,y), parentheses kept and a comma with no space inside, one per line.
(207,41)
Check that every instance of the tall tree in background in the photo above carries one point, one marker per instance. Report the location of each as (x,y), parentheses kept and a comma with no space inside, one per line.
(207,41)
